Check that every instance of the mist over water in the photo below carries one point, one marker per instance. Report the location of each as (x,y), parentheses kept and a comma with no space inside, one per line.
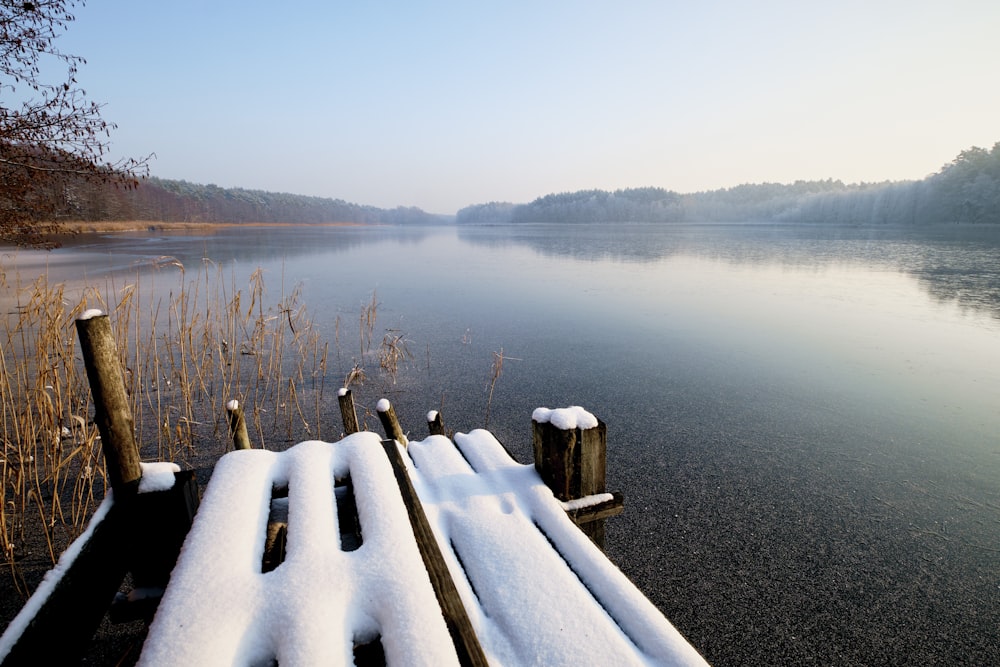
(804,420)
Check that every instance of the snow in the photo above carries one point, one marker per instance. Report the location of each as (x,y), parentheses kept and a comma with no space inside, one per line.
(233,405)
(91,314)
(220,609)
(342,391)
(528,577)
(586,501)
(157,476)
(432,416)
(536,589)
(383,405)
(565,418)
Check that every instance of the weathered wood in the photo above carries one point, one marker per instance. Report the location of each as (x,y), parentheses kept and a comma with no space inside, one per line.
(237,425)
(390,423)
(435,425)
(59,632)
(602,510)
(159,522)
(348,413)
(276,535)
(274,546)
(111,405)
(142,533)
(573,463)
(593,452)
(467,645)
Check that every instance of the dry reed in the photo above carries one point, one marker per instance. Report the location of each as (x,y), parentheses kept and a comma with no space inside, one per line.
(184,354)
(190,339)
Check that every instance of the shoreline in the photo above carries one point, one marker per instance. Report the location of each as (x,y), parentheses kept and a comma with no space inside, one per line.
(105,226)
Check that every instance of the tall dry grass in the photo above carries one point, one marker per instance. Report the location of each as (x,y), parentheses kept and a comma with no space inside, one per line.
(190,339)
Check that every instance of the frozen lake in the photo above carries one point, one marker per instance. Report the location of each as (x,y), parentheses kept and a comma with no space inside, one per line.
(805,421)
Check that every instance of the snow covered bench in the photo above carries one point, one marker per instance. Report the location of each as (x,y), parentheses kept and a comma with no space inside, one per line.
(536,590)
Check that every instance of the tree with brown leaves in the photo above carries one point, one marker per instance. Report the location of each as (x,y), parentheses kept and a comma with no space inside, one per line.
(51,135)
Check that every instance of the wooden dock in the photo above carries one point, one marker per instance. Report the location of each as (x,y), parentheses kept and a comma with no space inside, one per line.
(369,550)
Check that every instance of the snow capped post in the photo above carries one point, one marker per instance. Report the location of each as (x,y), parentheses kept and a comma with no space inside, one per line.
(111,406)
(237,425)
(387,415)
(571,457)
(347,411)
(435,425)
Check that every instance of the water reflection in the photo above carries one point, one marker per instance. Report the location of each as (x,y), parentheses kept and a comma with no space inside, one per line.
(101,254)
(952,263)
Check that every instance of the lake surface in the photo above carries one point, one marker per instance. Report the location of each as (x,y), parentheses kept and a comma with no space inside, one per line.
(805,421)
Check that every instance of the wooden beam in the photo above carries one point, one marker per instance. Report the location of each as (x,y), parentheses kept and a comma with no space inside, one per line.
(603,510)
(467,645)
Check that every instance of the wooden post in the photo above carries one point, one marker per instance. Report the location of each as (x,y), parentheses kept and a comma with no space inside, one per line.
(435,425)
(571,460)
(463,634)
(111,407)
(237,425)
(387,415)
(347,411)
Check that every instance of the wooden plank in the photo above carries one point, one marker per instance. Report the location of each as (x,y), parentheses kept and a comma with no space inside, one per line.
(61,630)
(604,510)
(142,533)
(467,645)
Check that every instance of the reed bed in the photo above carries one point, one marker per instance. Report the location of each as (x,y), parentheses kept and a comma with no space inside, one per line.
(190,339)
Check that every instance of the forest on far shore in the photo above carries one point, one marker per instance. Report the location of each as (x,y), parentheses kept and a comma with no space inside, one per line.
(162,200)
(966,190)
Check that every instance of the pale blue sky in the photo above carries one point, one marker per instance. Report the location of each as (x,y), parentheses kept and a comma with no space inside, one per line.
(444,104)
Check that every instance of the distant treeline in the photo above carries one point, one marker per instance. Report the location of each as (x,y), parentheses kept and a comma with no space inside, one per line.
(160,200)
(965,190)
